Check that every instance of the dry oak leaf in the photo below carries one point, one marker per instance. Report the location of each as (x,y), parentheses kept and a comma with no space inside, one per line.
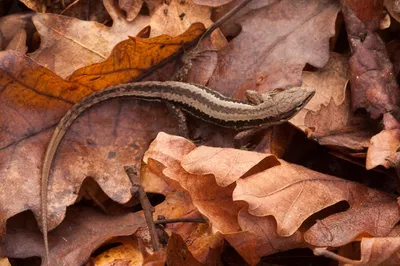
(128,254)
(68,43)
(201,242)
(373,84)
(330,88)
(393,7)
(371,213)
(11,27)
(156,259)
(276,52)
(375,251)
(178,253)
(134,58)
(383,146)
(34,99)
(292,193)
(328,117)
(215,202)
(81,233)
(259,238)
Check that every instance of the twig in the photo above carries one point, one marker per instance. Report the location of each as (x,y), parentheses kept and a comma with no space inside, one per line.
(180,220)
(224,18)
(148,209)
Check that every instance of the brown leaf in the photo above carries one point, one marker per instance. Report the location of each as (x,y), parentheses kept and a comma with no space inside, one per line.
(133,58)
(68,44)
(178,254)
(282,46)
(214,202)
(232,163)
(125,254)
(383,145)
(373,84)
(330,84)
(33,100)
(259,238)
(374,251)
(374,214)
(292,193)
(346,131)
(11,25)
(156,259)
(83,231)
(393,7)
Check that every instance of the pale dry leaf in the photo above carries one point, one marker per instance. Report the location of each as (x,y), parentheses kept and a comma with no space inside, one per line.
(330,86)
(337,127)
(227,165)
(373,214)
(259,238)
(10,25)
(383,145)
(292,193)
(213,201)
(131,8)
(18,42)
(375,251)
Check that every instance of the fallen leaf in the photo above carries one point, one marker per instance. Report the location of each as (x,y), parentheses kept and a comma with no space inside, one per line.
(11,25)
(374,87)
(82,232)
(374,251)
(178,254)
(232,164)
(133,58)
(33,100)
(68,43)
(156,259)
(292,193)
(215,202)
(259,238)
(374,214)
(283,46)
(383,145)
(125,254)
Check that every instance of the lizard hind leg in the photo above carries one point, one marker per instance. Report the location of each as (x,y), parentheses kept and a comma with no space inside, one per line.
(183,129)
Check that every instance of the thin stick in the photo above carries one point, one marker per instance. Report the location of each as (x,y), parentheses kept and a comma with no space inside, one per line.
(148,209)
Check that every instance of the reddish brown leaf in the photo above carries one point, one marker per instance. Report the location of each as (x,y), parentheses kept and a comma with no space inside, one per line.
(373,84)
(282,46)
(33,100)
(156,259)
(83,231)
(178,254)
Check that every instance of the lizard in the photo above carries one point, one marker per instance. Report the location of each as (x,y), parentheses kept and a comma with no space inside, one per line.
(200,101)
